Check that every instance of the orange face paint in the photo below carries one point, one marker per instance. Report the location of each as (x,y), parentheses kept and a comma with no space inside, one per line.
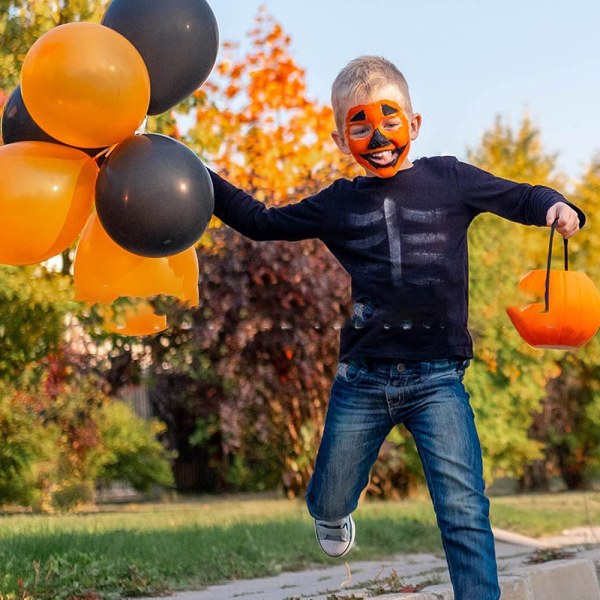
(378,136)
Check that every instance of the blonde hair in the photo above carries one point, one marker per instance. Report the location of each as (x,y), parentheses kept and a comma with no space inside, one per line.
(361,77)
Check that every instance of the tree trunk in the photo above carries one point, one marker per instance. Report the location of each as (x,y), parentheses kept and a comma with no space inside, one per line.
(535,477)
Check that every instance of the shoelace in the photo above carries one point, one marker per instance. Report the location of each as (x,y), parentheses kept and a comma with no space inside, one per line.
(339,533)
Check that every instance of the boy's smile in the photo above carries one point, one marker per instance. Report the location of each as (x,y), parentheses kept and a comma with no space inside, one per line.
(383,159)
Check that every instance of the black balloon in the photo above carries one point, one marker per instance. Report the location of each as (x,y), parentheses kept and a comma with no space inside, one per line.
(19,126)
(153,196)
(178,40)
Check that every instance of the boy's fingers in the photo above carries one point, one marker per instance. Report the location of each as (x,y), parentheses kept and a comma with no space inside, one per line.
(570,227)
(551,215)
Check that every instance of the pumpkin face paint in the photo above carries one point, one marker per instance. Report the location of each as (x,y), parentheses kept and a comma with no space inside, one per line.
(378,136)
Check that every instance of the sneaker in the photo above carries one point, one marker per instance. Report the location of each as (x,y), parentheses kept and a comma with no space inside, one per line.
(335,537)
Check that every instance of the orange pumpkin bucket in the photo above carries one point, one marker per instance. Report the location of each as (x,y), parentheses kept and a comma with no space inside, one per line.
(569,317)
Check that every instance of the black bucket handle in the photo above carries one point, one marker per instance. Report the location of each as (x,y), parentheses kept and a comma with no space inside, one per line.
(548,264)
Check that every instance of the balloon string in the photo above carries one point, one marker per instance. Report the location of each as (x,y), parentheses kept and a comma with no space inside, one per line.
(106,151)
(143,128)
(110,150)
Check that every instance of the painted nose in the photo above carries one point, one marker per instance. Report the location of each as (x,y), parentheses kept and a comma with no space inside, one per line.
(378,141)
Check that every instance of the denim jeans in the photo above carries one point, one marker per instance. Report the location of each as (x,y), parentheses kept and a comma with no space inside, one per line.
(367,400)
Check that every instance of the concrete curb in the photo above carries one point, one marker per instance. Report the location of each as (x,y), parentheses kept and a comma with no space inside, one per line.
(569,537)
(516,539)
(557,580)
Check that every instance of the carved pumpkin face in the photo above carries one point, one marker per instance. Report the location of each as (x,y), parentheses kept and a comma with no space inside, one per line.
(378,136)
(573,315)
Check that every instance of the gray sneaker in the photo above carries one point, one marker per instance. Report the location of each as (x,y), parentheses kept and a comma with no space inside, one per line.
(335,537)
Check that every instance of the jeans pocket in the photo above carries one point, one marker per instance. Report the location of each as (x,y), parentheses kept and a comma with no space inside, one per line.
(349,371)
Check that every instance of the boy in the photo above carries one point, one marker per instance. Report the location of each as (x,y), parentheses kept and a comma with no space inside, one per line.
(401,233)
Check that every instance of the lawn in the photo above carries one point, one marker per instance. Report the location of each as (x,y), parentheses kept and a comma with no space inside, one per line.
(150,549)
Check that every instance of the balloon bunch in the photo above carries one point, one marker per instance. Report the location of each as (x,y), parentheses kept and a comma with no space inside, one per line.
(85,90)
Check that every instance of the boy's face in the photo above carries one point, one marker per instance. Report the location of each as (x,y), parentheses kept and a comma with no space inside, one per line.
(378,136)
(378,132)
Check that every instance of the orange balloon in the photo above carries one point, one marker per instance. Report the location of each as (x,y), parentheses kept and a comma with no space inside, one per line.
(85,85)
(46,195)
(573,317)
(103,271)
(137,319)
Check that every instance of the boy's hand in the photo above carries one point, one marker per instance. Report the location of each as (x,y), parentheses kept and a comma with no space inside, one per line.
(568,221)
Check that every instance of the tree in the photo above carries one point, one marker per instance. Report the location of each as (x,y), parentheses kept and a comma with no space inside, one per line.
(34,303)
(260,353)
(22,22)
(256,124)
(508,378)
(569,422)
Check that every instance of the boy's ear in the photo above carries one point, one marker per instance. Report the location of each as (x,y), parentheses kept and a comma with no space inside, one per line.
(415,125)
(340,142)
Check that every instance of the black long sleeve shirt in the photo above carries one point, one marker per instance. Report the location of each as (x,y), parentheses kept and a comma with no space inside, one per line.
(403,240)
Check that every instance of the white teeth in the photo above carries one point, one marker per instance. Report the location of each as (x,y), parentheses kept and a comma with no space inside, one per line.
(385,156)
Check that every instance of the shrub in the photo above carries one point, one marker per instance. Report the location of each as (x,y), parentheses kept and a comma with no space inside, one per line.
(59,438)
(23,449)
(130,449)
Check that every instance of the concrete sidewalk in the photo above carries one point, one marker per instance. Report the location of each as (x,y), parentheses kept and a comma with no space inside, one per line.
(571,579)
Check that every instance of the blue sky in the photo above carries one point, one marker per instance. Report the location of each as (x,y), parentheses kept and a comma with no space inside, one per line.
(466,61)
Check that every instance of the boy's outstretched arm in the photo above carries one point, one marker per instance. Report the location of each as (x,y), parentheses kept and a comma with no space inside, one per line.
(519,202)
(236,208)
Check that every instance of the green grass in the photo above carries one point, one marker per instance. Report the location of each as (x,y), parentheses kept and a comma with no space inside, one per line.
(545,514)
(150,549)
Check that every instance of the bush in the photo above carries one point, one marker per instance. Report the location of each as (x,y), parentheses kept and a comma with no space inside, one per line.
(23,448)
(258,357)
(131,450)
(60,438)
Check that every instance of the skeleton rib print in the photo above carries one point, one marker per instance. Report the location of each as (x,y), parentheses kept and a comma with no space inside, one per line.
(415,257)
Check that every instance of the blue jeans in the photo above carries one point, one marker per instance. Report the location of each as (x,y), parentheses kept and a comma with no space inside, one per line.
(367,400)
